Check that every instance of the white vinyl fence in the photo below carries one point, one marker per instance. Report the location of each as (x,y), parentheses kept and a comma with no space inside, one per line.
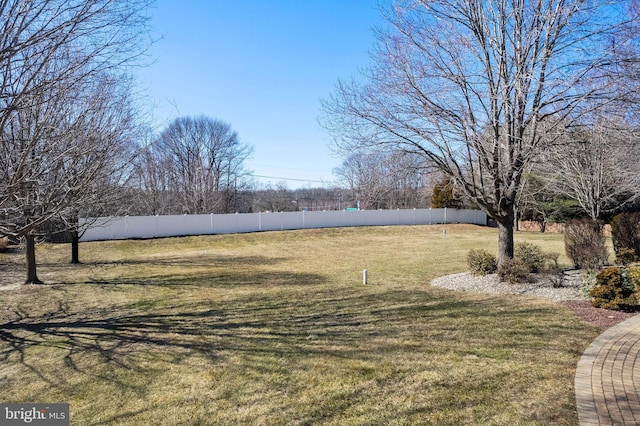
(120,228)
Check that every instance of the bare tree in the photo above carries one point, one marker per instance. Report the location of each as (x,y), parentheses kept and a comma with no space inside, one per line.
(152,186)
(383,179)
(599,167)
(62,158)
(466,85)
(203,162)
(100,178)
(275,198)
(365,175)
(62,111)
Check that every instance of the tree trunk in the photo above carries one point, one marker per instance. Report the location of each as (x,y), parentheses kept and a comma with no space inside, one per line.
(505,240)
(32,276)
(75,247)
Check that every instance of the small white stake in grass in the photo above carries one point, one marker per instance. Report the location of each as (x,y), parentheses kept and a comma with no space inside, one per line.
(364,276)
(444,233)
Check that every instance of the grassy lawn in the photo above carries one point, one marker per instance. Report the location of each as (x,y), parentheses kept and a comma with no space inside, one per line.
(277,329)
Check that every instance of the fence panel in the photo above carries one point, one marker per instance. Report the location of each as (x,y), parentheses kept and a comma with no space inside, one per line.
(114,228)
(242,223)
(271,222)
(168,225)
(143,226)
(329,219)
(406,217)
(96,228)
(120,229)
(292,220)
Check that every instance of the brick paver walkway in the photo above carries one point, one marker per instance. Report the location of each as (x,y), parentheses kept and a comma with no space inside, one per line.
(608,377)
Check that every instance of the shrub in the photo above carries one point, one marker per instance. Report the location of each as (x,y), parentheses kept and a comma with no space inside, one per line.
(552,269)
(585,243)
(625,233)
(514,271)
(625,256)
(481,262)
(530,255)
(614,290)
(634,277)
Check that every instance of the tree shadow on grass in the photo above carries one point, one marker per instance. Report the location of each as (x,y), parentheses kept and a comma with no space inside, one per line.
(228,270)
(212,280)
(259,323)
(201,271)
(270,332)
(196,261)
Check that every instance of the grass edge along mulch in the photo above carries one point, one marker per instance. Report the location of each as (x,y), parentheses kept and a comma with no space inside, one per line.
(277,328)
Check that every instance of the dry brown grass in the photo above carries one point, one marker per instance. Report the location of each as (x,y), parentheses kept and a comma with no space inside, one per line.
(277,328)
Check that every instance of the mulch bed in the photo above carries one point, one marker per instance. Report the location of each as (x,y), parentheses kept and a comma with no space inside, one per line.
(601,318)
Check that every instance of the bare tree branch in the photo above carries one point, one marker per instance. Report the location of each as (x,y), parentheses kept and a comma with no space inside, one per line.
(479,89)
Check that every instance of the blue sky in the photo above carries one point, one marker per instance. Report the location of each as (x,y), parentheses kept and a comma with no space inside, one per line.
(262,66)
